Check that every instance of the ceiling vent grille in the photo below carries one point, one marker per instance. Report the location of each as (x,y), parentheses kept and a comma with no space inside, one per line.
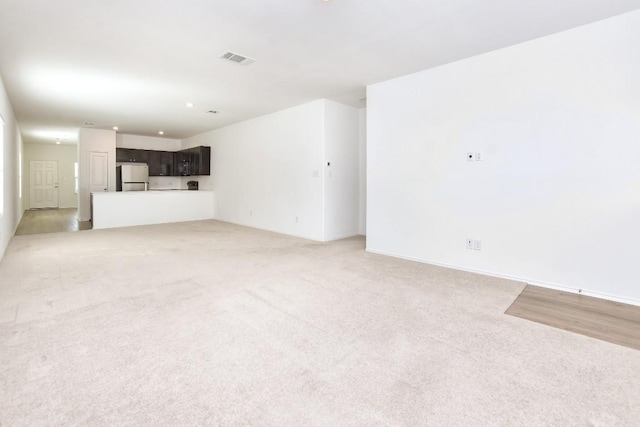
(237,58)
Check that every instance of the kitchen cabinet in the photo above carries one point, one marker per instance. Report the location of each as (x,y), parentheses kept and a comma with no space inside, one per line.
(132,155)
(160,163)
(123,154)
(182,166)
(200,160)
(205,161)
(189,162)
(193,161)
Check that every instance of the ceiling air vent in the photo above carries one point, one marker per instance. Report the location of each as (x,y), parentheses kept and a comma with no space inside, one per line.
(237,58)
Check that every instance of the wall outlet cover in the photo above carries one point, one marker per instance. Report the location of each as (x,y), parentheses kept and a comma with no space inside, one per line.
(477,245)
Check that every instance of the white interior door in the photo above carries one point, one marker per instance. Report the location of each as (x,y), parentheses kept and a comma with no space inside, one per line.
(98,172)
(43,184)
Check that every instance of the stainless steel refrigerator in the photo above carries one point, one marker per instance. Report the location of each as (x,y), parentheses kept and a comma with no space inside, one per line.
(133,177)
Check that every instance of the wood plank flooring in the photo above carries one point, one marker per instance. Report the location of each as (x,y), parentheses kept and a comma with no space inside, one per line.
(42,221)
(610,321)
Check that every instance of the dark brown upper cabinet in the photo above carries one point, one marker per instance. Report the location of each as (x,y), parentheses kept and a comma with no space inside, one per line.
(189,162)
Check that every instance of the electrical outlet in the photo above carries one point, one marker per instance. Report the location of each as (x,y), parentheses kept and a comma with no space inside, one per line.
(469,244)
(470,157)
(479,156)
(477,245)
(296,219)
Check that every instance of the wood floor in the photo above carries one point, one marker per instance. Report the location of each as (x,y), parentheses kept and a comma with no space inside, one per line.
(42,221)
(610,321)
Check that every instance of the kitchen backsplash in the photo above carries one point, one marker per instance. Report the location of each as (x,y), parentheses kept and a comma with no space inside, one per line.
(179,182)
(166,183)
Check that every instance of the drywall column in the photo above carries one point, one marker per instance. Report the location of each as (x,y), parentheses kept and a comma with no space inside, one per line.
(362,220)
(341,170)
(93,140)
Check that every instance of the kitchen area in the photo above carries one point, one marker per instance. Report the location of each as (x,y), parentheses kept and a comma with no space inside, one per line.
(154,187)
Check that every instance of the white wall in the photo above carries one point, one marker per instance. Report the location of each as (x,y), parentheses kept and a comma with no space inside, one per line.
(93,140)
(11,212)
(341,170)
(66,156)
(147,142)
(262,171)
(556,200)
(270,172)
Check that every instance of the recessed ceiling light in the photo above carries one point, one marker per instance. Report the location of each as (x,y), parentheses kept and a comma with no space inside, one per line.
(115,128)
(58,142)
(189,104)
(160,133)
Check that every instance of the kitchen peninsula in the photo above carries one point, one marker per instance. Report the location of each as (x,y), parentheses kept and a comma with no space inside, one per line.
(124,209)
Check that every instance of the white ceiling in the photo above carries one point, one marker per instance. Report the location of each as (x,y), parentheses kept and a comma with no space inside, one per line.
(135,63)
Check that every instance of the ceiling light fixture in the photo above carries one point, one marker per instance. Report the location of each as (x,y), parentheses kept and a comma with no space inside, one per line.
(115,128)
(189,104)
(88,124)
(58,142)
(160,133)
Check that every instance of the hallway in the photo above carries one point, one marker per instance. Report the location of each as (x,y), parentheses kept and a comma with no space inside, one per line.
(40,221)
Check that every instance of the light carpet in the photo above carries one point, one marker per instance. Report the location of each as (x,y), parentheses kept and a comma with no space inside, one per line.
(210,323)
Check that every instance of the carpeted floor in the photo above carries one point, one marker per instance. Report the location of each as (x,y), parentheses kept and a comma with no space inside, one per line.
(214,324)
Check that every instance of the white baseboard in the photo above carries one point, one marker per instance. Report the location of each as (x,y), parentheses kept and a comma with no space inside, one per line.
(529,281)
